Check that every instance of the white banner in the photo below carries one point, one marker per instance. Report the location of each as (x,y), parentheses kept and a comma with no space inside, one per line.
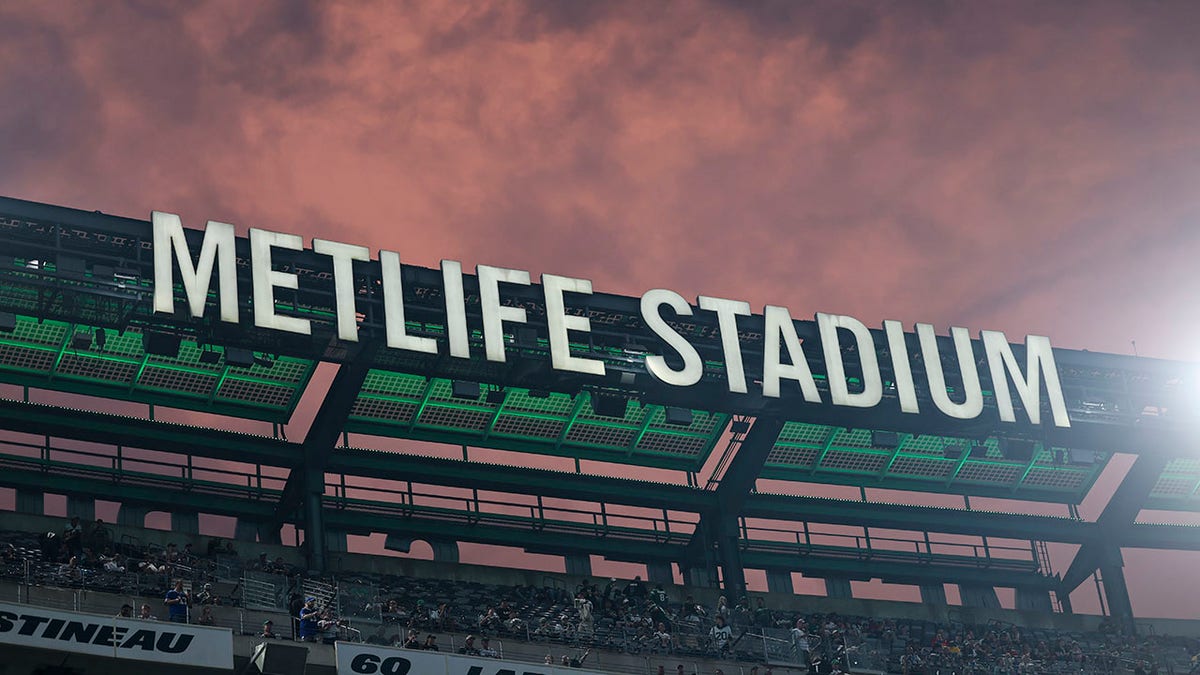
(360,659)
(159,641)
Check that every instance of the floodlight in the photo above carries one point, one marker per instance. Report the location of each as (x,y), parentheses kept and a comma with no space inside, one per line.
(465,390)
(238,358)
(8,322)
(885,439)
(679,416)
(609,405)
(161,344)
(81,340)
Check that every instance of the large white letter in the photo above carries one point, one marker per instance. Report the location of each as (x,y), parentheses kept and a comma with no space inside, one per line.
(901,367)
(343,256)
(218,248)
(839,393)
(393,308)
(972,403)
(693,366)
(777,323)
(456,309)
(727,313)
(1039,358)
(494,314)
(558,323)
(266,280)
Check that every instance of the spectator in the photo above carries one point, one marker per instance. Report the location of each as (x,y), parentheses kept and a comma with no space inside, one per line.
(206,596)
(73,537)
(328,624)
(719,636)
(413,641)
(309,616)
(430,643)
(635,591)
(126,611)
(177,603)
(485,648)
(50,545)
(469,648)
(576,661)
(268,630)
(206,616)
(145,614)
(113,563)
(70,570)
(100,537)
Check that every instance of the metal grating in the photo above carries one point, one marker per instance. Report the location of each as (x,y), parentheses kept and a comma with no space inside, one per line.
(43,354)
(816,453)
(411,406)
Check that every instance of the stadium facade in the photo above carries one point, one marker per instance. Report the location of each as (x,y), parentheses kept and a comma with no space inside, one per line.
(154,313)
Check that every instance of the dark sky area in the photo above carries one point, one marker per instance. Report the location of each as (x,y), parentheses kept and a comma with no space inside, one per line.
(1021,166)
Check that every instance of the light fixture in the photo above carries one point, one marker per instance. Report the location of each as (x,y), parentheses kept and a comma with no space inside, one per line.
(465,390)
(885,439)
(539,393)
(8,322)
(495,396)
(739,427)
(679,416)
(209,356)
(609,405)
(238,358)
(952,452)
(101,338)
(264,361)
(81,340)
(1016,449)
(160,344)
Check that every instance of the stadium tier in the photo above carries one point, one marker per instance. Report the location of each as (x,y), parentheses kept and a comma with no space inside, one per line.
(696,431)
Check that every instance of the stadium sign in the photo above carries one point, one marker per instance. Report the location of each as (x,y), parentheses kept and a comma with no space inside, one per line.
(784,356)
(166,643)
(360,659)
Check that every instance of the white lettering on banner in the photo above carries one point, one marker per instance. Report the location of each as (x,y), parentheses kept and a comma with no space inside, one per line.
(75,632)
(359,659)
(784,355)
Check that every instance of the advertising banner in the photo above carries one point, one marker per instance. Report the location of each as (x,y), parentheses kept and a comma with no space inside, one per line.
(360,659)
(159,641)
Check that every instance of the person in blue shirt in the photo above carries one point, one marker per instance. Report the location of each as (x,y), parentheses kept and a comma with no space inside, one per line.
(177,603)
(309,615)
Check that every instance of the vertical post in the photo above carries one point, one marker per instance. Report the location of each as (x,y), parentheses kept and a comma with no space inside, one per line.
(314,522)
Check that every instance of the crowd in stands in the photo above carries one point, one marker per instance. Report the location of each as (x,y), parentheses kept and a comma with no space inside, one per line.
(633,617)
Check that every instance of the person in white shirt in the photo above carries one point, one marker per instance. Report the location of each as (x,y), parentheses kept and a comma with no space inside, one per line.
(720,635)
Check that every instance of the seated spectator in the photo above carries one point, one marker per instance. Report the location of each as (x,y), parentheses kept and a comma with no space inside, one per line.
(663,640)
(413,641)
(261,564)
(469,648)
(206,596)
(328,625)
(430,643)
(70,570)
(576,661)
(113,563)
(206,616)
(486,650)
(268,630)
(126,611)
(145,614)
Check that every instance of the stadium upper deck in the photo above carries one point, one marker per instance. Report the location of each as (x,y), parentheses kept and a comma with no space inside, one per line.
(76,292)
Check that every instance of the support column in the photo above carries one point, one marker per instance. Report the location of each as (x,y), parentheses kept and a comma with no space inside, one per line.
(132,515)
(185,523)
(1064,601)
(579,564)
(31,501)
(660,573)
(245,530)
(838,588)
(337,542)
(733,575)
(314,523)
(444,551)
(1115,591)
(780,581)
(980,596)
(1034,599)
(933,594)
(84,507)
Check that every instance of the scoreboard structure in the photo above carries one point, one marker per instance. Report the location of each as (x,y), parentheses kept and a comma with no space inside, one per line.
(153,313)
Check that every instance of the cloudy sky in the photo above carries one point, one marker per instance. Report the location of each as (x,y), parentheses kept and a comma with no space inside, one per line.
(1027,167)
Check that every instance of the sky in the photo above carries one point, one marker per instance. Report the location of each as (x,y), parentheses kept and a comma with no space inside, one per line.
(1017,166)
